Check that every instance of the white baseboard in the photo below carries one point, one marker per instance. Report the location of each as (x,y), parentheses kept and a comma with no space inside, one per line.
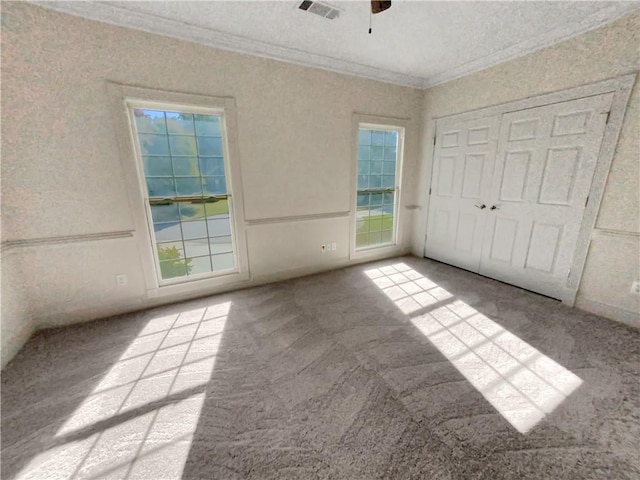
(609,311)
(12,345)
(297,272)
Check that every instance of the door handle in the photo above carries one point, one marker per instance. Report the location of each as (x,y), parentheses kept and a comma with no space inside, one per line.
(493,207)
(480,206)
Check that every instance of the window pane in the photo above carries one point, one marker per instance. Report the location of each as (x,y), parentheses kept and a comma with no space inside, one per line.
(208,125)
(374,238)
(377,153)
(165,213)
(172,268)
(388,198)
(195,229)
(386,236)
(153,144)
(362,219)
(217,208)
(180,123)
(167,232)
(377,137)
(363,200)
(223,262)
(196,247)
(388,181)
(375,221)
(362,240)
(387,221)
(191,211)
(188,186)
(375,181)
(149,121)
(200,265)
(363,181)
(391,138)
(376,200)
(212,165)
(171,250)
(161,187)
(390,153)
(364,152)
(364,137)
(219,227)
(186,166)
(220,245)
(389,168)
(376,168)
(210,146)
(214,185)
(363,168)
(185,146)
(157,166)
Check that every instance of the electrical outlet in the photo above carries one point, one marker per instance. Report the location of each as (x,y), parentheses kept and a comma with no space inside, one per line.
(635,287)
(333,246)
(121,280)
(323,248)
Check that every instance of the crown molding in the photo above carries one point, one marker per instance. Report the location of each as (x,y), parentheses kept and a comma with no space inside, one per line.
(598,19)
(113,14)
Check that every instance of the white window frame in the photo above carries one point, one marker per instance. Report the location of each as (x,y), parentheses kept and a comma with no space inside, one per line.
(371,122)
(124,100)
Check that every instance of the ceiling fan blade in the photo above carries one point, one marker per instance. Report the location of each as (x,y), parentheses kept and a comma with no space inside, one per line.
(378,6)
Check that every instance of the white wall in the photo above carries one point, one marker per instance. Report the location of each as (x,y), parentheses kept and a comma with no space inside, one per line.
(613,260)
(62,175)
(17,323)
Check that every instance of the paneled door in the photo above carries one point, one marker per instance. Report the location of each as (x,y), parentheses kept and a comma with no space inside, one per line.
(544,165)
(508,192)
(462,172)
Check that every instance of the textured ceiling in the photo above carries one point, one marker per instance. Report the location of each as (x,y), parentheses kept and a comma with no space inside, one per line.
(413,43)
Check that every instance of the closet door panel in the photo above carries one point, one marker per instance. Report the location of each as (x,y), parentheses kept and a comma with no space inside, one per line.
(461,179)
(545,161)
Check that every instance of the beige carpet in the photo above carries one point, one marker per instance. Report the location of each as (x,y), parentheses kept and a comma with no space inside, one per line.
(400,369)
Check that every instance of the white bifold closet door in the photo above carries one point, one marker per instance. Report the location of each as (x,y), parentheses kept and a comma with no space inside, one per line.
(509,191)
(461,179)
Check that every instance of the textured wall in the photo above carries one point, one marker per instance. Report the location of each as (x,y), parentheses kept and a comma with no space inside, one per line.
(17,324)
(614,259)
(62,175)
(61,171)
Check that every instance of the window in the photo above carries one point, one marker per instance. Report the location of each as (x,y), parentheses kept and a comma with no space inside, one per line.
(379,150)
(186,190)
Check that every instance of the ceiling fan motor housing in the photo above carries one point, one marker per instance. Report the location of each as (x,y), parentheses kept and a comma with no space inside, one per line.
(380,6)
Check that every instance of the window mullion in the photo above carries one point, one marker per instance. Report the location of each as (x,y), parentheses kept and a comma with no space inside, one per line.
(204,205)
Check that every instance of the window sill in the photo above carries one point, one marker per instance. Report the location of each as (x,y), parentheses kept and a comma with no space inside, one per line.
(376,252)
(205,285)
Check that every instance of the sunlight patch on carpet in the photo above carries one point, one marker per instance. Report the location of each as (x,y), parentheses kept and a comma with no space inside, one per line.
(519,381)
(140,419)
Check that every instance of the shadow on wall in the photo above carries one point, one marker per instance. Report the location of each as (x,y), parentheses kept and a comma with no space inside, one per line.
(351,374)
